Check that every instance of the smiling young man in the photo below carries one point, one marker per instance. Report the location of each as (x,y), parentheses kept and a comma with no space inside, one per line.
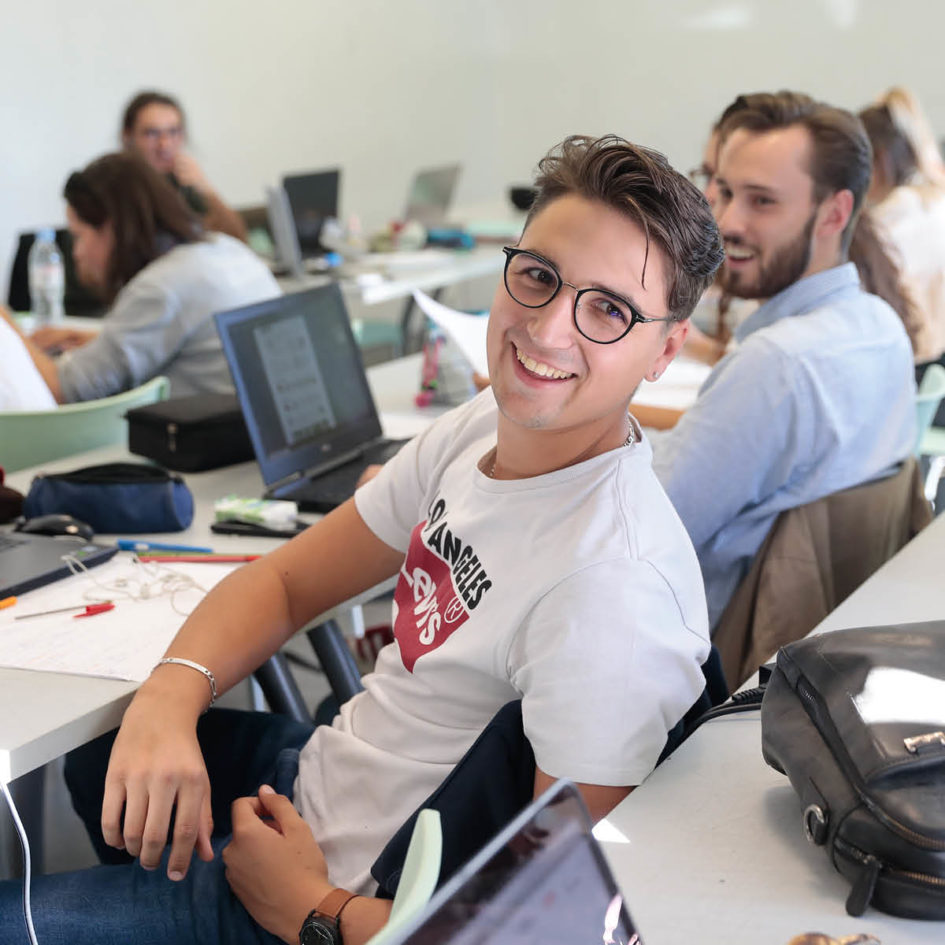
(538,559)
(819,394)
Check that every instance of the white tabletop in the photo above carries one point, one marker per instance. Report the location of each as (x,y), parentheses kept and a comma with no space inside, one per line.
(714,847)
(383,277)
(43,715)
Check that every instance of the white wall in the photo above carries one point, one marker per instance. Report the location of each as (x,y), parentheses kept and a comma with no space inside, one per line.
(381,87)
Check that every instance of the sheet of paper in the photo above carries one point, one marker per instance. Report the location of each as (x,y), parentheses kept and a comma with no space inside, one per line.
(468,331)
(123,643)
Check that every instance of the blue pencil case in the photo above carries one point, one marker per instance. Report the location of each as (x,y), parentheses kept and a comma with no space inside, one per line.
(115,498)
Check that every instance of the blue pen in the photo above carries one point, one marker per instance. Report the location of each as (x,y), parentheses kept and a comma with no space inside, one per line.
(129,544)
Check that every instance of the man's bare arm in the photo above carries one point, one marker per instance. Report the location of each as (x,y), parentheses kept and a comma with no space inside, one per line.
(600,799)
(156,762)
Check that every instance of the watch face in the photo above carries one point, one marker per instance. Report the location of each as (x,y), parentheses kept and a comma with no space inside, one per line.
(319,931)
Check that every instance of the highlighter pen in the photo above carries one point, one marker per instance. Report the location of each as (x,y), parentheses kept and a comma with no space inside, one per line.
(7,602)
(129,544)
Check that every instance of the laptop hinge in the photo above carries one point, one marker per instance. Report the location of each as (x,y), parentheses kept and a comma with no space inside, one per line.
(313,472)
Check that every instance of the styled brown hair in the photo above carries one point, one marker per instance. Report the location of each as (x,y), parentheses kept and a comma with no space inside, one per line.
(841,156)
(143,100)
(640,184)
(148,216)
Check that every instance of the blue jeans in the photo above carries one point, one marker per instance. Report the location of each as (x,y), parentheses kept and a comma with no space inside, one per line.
(124,903)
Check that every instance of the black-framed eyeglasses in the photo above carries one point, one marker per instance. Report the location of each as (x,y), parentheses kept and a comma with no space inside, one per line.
(599,315)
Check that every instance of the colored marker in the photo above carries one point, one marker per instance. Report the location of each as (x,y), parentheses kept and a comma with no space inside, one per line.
(7,602)
(129,544)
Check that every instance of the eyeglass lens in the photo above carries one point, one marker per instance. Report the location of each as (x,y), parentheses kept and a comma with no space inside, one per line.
(599,315)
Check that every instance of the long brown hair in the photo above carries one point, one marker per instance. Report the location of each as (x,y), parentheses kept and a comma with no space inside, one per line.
(879,274)
(640,184)
(148,216)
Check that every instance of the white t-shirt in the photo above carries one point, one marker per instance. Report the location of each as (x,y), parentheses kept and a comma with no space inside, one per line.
(577,591)
(21,385)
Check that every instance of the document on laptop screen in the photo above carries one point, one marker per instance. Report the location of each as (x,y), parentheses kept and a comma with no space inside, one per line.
(295,379)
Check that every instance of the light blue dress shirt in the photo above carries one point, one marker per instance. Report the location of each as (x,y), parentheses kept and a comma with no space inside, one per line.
(818,396)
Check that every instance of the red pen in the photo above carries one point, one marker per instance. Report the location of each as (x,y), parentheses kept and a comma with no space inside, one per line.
(88,610)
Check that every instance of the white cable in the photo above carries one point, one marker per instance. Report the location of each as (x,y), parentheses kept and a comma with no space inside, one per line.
(27,864)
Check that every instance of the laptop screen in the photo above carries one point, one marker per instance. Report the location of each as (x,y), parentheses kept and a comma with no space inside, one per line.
(300,380)
(312,197)
(542,881)
(431,194)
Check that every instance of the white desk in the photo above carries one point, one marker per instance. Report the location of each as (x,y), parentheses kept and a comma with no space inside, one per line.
(43,715)
(716,852)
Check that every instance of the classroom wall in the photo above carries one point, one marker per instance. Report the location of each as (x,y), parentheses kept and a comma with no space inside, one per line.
(382,87)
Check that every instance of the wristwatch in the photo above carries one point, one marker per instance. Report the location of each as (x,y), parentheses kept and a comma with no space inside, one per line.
(322,926)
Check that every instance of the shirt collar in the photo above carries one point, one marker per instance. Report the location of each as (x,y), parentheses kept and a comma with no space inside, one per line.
(800,297)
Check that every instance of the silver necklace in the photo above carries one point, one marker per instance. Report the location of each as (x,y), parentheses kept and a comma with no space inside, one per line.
(629,441)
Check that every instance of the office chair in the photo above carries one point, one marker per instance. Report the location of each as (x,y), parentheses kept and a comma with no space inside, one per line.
(31,437)
(930,439)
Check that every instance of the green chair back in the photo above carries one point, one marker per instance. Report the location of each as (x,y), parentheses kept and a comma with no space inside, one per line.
(419,875)
(31,437)
(931,392)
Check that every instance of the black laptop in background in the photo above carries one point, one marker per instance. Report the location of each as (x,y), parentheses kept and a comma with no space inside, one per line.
(305,396)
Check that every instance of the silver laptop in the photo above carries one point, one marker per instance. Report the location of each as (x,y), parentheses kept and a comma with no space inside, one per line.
(542,880)
(431,194)
(30,561)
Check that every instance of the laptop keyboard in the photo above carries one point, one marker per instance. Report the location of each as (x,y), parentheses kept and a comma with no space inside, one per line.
(330,489)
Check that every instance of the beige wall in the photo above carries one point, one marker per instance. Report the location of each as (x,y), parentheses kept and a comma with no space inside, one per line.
(382,87)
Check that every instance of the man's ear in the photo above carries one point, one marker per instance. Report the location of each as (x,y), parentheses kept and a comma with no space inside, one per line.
(834,213)
(673,339)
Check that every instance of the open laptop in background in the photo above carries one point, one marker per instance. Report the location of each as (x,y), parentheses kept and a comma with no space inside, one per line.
(543,880)
(30,561)
(431,194)
(285,239)
(312,199)
(305,397)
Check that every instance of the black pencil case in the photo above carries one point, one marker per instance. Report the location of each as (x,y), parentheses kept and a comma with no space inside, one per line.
(190,434)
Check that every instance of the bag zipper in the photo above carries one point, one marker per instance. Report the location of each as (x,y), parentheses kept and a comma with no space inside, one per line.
(815,709)
(865,883)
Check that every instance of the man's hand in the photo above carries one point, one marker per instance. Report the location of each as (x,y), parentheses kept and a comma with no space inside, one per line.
(273,864)
(189,173)
(156,763)
(50,338)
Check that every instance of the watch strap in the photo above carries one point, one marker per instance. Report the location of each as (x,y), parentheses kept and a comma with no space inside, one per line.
(333,903)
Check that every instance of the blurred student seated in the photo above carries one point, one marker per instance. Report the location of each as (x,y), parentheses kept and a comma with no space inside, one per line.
(137,243)
(819,395)
(21,385)
(906,201)
(155,127)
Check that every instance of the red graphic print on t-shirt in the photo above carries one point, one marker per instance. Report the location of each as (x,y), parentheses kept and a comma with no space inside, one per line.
(428,609)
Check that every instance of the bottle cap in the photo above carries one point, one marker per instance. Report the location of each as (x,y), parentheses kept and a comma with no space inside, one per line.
(47,233)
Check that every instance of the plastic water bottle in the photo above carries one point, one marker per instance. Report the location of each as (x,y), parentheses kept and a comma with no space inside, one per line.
(47,278)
